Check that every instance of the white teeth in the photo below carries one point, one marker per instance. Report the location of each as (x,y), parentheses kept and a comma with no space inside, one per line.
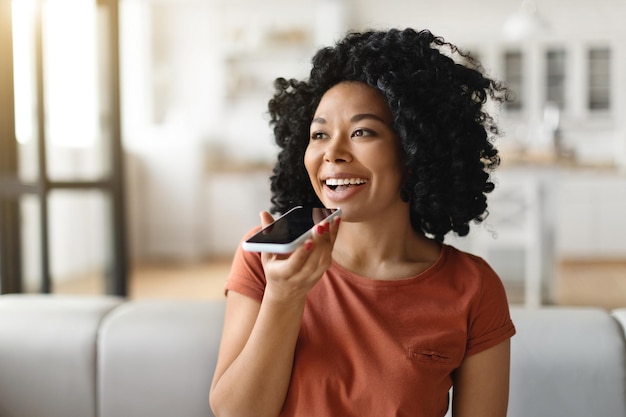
(345,181)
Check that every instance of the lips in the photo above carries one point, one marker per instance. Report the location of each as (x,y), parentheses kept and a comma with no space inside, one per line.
(339,189)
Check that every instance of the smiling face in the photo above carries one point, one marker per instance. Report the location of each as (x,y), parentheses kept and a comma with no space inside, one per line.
(353,157)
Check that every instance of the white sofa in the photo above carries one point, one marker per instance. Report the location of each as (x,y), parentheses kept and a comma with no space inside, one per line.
(81,356)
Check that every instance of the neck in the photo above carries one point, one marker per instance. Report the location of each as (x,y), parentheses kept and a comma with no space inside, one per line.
(385,248)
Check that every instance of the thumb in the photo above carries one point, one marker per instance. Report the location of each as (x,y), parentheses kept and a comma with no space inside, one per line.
(266,218)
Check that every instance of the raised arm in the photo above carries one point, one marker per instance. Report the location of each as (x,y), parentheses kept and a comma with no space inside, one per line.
(256,355)
(258,342)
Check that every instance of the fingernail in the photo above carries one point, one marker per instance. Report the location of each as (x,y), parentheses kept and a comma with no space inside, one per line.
(337,221)
(326,227)
(308,245)
(320,229)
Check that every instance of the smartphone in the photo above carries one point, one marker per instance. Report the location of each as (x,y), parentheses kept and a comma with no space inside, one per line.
(290,230)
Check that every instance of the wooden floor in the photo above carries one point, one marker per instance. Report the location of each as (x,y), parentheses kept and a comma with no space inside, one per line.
(601,284)
(598,284)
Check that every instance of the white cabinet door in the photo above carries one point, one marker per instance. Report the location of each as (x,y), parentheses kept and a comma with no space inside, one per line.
(610,235)
(574,216)
(591,220)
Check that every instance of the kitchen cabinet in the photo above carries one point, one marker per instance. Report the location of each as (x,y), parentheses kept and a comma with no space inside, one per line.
(591,221)
(579,215)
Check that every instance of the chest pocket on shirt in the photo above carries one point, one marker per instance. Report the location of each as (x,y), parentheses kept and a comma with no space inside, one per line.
(418,354)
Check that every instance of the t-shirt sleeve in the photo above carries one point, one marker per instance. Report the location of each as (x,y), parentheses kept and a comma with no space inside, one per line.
(246,274)
(490,322)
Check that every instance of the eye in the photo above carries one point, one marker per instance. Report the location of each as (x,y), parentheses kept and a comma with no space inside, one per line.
(363,132)
(318,135)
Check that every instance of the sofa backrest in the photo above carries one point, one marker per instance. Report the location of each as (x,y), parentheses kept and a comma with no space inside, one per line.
(157,358)
(47,354)
(567,362)
(63,356)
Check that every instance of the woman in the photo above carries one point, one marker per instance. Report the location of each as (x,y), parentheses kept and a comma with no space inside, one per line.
(374,315)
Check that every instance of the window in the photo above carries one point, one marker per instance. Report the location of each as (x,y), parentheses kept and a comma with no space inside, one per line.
(599,79)
(60,114)
(555,77)
(513,78)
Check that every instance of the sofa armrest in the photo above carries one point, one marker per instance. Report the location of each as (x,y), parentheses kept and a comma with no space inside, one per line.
(620,316)
(48,354)
(157,358)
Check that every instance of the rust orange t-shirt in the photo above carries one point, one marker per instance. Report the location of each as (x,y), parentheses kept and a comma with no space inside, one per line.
(387,348)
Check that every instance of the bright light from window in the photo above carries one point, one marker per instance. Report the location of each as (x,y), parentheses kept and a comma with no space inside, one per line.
(23,69)
(70,56)
(70,73)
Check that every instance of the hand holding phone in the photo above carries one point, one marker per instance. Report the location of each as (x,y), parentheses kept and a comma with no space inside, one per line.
(290,230)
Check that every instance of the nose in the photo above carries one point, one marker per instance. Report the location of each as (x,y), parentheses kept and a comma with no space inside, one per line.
(337,151)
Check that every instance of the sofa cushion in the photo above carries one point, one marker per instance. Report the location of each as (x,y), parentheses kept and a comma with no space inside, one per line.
(157,358)
(567,362)
(48,354)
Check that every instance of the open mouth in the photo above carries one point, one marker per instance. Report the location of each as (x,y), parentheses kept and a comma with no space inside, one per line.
(340,184)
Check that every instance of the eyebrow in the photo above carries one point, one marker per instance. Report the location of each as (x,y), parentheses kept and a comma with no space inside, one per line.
(355,118)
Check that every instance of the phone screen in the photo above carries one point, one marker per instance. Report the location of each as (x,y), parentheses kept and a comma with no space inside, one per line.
(292,225)
(290,230)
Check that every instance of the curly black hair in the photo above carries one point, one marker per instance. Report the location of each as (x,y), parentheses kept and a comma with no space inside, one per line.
(438,106)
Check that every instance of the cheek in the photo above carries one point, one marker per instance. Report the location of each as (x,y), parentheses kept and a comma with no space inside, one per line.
(391,164)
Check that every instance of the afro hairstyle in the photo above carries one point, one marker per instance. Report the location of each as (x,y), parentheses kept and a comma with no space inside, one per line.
(437,95)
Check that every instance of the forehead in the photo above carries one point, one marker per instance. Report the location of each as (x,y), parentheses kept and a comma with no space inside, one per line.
(351,98)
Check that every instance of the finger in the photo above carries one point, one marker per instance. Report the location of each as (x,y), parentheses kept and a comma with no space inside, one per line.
(302,253)
(266,218)
(324,236)
(334,228)
(327,229)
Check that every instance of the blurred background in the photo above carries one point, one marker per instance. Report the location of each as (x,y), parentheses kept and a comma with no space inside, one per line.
(135,148)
